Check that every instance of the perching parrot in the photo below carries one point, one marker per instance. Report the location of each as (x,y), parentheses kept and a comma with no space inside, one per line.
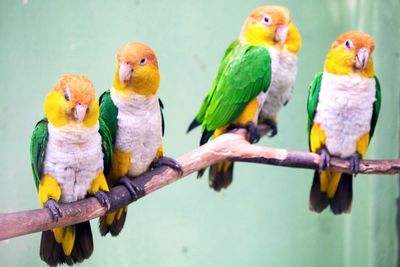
(70,152)
(248,70)
(132,111)
(343,107)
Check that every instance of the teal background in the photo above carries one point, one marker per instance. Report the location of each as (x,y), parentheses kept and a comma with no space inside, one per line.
(263,219)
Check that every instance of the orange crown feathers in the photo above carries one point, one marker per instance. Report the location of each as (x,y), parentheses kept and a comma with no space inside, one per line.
(133,52)
(78,87)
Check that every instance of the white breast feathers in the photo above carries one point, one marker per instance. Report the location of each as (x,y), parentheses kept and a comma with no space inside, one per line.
(139,129)
(74,158)
(344,111)
(284,70)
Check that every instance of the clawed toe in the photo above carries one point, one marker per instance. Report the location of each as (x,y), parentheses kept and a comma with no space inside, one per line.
(103,198)
(355,161)
(325,159)
(169,162)
(254,135)
(135,190)
(273,127)
(54,208)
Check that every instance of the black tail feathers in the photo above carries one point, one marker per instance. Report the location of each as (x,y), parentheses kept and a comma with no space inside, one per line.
(318,200)
(115,228)
(52,253)
(205,136)
(220,177)
(340,203)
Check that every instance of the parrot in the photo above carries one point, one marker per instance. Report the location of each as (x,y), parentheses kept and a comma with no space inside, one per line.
(343,106)
(132,111)
(70,152)
(249,69)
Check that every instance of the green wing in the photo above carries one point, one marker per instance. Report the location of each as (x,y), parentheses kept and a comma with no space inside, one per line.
(38,149)
(244,73)
(106,145)
(377,107)
(202,112)
(109,113)
(312,101)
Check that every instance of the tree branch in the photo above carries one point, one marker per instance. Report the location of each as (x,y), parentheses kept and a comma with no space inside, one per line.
(230,146)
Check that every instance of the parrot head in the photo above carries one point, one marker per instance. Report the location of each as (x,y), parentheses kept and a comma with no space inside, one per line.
(351,53)
(137,70)
(72,101)
(271,26)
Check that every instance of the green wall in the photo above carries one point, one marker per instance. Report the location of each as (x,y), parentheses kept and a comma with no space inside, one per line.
(263,219)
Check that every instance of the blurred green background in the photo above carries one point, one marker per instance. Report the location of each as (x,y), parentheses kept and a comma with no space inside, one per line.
(263,219)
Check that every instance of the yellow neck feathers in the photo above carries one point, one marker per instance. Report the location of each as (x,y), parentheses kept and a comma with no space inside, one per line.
(293,39)
(341,61)
(144,81)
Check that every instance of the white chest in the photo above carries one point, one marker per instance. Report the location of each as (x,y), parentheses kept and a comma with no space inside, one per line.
(139,129)
(284,70)
(344,111)
(74,158)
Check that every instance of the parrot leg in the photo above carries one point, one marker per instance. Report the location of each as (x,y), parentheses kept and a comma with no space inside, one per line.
(103,198)
(134,189)
(355,163)
(325,159)
(169,162)
(273,127)
(54,208)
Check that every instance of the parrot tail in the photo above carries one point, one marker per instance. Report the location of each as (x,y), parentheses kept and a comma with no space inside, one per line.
(341,202)
(220,175)
(113,222)
(342,194)
(318,199)
(69,245)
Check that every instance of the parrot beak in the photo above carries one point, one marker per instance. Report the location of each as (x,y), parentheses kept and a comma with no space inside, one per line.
(80,112)
(281,33)
(125,72)
(362,58)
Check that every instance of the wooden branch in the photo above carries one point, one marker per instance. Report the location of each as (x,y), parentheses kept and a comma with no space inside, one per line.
(230,146)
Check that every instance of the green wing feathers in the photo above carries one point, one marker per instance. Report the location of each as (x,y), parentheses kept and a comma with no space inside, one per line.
(312,100)
(109,113)
(377,107)
(106,145)
(245,72)
(38,149)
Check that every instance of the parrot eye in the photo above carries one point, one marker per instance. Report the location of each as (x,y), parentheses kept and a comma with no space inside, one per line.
(267,20)
(348,44)
(66,95)
(143,61)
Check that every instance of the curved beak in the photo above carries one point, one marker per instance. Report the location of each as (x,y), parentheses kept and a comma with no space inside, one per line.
(80,112)
(281,33)
(362,58)
(125,72)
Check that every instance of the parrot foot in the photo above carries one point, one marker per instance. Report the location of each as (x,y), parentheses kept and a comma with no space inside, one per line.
(135,190)
(325,159)
(253,133)
(103,198)
(355,163)
(169,162)
(54,208)
(273,127)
